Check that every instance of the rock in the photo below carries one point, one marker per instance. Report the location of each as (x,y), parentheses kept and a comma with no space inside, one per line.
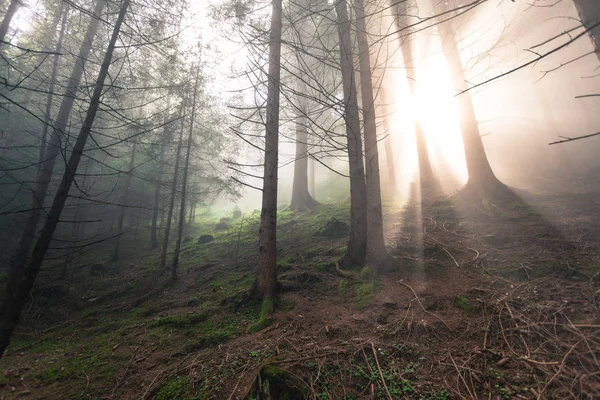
(187,239)
(97,269)
(205,239)
(225,219)
(222,226)
(334,228)
(237,214)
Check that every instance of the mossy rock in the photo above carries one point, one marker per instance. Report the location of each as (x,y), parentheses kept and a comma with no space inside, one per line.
(222,226)
(205,239)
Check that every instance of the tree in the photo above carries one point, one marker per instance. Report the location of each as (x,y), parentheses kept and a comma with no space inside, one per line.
(589,13)
(165,246)
(376,253)
(24,282)
(185,178)
(482,182)
(357,244)
(301,198)
(13,7)
(426,176)
(267,258)
(124,200)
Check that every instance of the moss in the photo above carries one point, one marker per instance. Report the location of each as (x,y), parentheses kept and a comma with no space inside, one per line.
(366,273)
(464,304)
(284,265)
(265,318)
(327,266)
(180,321)
(175,388)
(365,294)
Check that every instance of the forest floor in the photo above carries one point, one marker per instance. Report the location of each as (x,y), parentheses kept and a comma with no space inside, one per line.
(493,301)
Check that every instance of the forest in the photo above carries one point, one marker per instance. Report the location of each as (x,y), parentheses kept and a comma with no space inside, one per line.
(299,199)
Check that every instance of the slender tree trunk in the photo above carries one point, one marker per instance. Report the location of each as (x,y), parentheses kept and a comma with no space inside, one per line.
(357,245)
(427,177)
(267,256)
(64,10)
(27,236)
(10,13)
(159,177)
(185,179)
(124,201)
(301,198)
(376,251)
(589,13)
(389,152)
(10,315)
(163,254)
(481,177)
(138,214)
(311,188)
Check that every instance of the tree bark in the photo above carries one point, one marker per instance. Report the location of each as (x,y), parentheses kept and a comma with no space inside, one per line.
(13,7)
(64,11)
(376,251)
(185,179)
(589,13)
(267,256)
(159,177)
(123,207)
(357,245)
(163,254)
(481,177)
(27,235)
(10,315)
(301,198)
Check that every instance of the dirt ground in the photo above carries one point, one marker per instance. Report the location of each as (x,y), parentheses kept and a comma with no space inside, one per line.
(492,301)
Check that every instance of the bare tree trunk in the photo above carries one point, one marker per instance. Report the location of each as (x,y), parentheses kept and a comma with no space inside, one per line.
(312,189)
(589,13)
(124,201)
(185,179)
(376,251)
(159,177)
(301,198)
(10,315)
(163,254)
(392,187)
(482,180)
(427,178)
(357,245)
(64,10)
(267,258)
(10,13)
(138,214)
(27,236)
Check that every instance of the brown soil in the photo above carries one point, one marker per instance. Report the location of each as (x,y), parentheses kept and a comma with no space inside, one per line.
(494,301)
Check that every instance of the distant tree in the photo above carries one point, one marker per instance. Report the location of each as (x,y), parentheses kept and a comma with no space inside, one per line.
(184,181)
(124,202)
(13,7)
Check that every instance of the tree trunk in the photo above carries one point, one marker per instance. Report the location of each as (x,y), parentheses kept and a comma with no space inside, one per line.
(301,198)
(20,296)
(124,200)
(589,13)
(55,63)
(392,187)
(159,177)
(357,245)
(185,179)
(267,258)
(482,180)
(10,13)
(376,252)
(27,235)
(163,254)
